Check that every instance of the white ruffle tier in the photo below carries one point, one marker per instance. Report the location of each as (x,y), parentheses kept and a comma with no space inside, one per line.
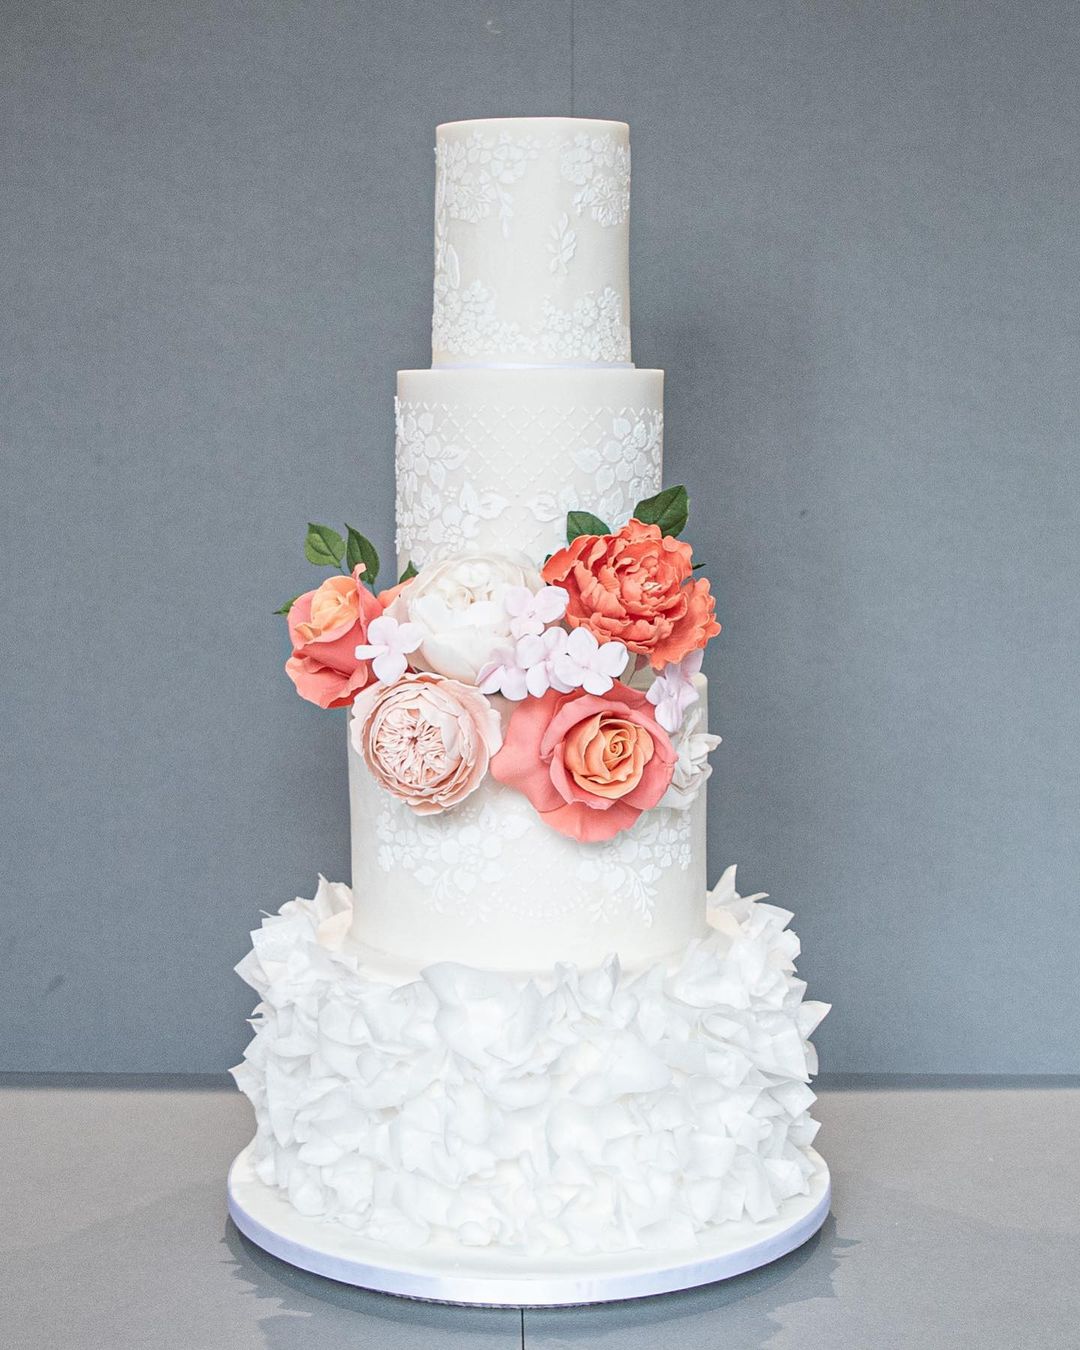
(593,1111)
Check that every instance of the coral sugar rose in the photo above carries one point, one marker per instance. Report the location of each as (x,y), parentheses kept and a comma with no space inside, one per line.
(636,587)
(590,764)
(326,626)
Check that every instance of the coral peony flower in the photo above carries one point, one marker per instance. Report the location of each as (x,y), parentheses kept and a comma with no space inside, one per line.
(326,625)
(636,587)
(427,740)
(589,763)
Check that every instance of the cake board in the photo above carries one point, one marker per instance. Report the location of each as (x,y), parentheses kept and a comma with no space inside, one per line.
(480,1277)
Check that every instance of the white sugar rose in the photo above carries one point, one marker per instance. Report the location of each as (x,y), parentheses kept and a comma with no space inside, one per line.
(692,767)
(460,611)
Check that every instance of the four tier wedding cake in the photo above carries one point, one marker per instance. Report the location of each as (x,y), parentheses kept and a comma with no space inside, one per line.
(527,1026)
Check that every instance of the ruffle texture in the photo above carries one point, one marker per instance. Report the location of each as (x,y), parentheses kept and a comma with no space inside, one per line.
(593,1111)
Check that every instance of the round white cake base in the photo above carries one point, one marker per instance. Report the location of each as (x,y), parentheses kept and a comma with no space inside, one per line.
(489,1278)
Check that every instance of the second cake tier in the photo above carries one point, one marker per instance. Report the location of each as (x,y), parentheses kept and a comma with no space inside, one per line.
(494,459)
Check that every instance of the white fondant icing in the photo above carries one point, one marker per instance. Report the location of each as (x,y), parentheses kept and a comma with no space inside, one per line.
(593,1110)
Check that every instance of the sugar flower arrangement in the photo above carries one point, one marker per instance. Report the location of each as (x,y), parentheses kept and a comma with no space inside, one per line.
(572,684)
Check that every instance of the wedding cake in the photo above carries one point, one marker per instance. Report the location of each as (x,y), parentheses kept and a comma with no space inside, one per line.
(527,1028)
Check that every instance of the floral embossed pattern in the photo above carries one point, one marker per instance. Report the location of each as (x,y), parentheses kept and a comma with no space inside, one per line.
(467,862)
(624,873)
(463,862)
(476,176)
(438,506)
(623,464)
(600,167)
(481,200)
(593,329)
(608,457)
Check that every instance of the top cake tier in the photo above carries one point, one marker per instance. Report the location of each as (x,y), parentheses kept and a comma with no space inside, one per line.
(532,243)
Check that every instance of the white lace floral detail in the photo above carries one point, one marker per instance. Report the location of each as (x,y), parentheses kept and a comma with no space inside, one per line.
(466,859)
(624,873)
(624,466)
(476,179)
(462,858)
(439,509)
(562,245)
(465,320)
(600,166)
(593,330)
(474,176)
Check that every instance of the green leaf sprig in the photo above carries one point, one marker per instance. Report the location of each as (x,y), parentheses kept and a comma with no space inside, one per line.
(669,509)
(324,547)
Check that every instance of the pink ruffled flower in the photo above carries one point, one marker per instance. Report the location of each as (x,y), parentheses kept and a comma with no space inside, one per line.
(325,626)
(590,764)
(427,739)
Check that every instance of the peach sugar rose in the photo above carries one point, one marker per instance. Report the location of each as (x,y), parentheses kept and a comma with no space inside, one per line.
(326,626)
(427,739)
(590,764)
(636,587)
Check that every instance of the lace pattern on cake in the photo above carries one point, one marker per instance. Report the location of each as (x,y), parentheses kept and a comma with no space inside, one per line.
(624,873)
(562,245)
(464,859)
(606,459)
(467,859)
(475,177)
(623,464)
(437,502)
(466,321)
(475,180)
(592,1111)
(600,167)
(593,329)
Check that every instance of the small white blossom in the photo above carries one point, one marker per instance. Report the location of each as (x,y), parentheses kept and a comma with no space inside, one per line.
(588,664)
(530,613)
(388,645)
(692,767)
(672,692)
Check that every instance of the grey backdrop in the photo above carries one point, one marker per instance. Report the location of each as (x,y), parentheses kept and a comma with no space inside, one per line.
(854,251)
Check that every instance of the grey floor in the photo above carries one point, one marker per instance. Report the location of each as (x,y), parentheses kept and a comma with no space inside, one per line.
(956,1222)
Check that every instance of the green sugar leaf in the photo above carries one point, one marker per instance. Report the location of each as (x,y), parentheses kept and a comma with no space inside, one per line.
(668,509)
(323,546)
(583,522)
(361,550)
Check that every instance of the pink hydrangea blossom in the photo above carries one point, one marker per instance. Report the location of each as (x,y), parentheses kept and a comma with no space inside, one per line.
(672,692)
(531,612)
(389,644)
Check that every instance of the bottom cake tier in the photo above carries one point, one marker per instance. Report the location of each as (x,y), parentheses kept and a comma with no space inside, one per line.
(605,1110)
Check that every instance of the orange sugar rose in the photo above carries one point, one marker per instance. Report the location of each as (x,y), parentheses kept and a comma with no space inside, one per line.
(326,626)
